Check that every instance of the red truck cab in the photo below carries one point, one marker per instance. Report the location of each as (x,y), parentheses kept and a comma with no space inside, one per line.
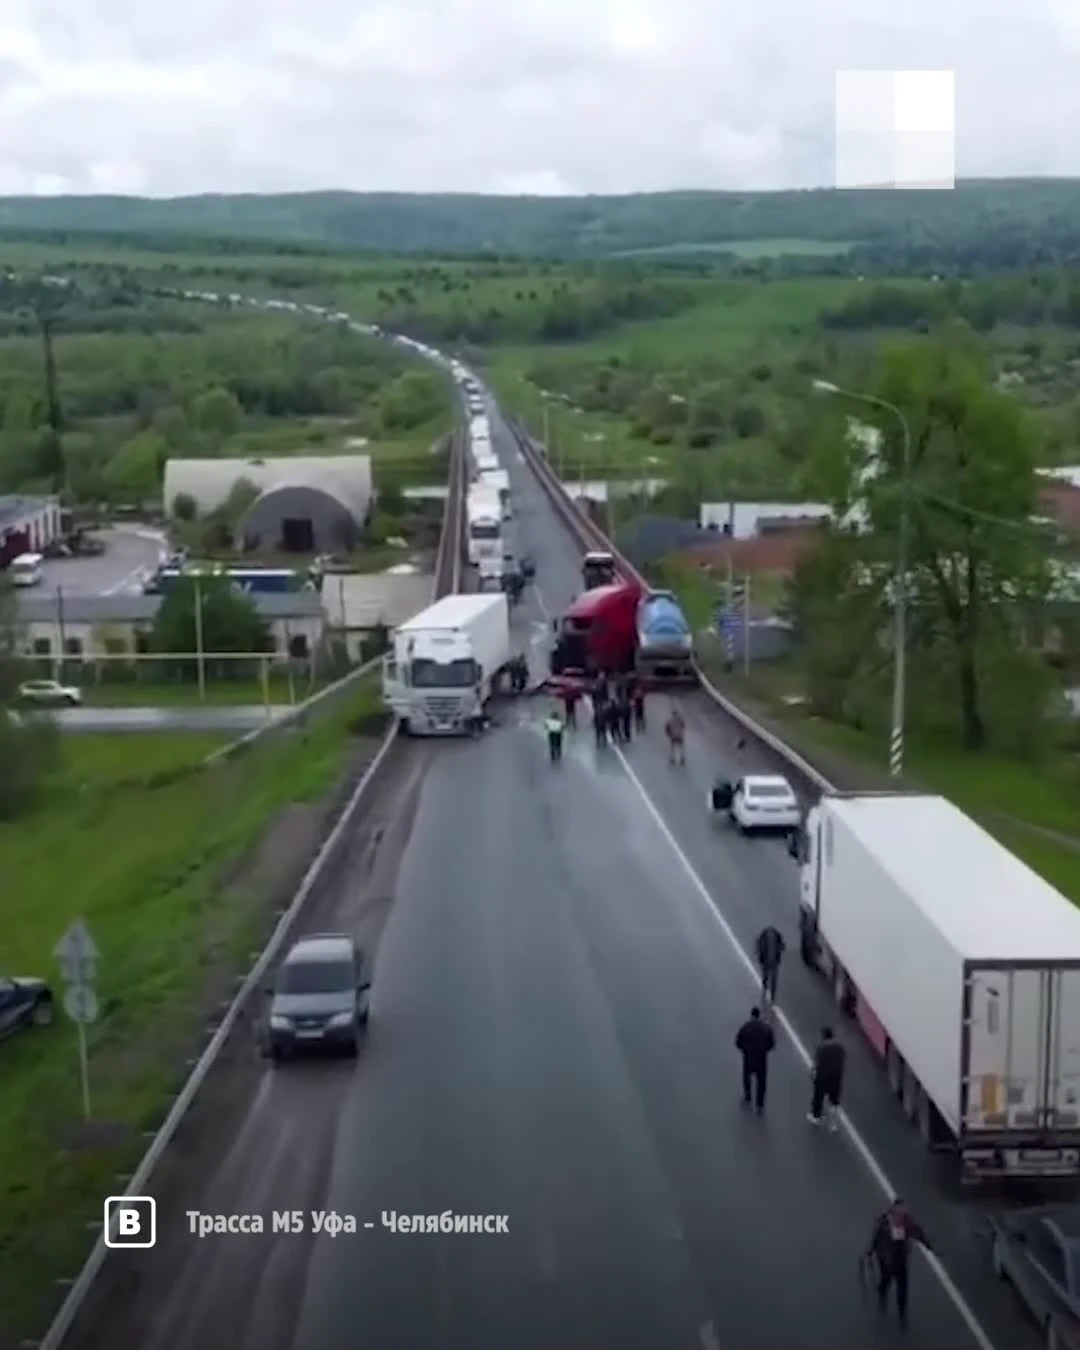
(598,631)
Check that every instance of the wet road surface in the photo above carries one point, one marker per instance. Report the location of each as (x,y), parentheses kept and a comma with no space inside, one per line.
(556,992)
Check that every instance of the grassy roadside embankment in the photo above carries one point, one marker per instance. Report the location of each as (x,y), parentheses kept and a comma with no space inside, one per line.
(178,870)
(1033,808)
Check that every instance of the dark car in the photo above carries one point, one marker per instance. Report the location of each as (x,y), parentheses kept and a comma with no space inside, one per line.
(1038,1252)
(319,1000)
(24,1003)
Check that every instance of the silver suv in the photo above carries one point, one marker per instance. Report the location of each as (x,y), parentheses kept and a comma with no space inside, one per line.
(319,1000)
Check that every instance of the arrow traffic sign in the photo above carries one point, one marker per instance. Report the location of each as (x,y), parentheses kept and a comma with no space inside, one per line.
(81,1004)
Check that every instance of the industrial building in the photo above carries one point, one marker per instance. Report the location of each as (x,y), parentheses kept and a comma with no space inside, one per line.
(94,627)
(306,503)
(27,525)
(358,603)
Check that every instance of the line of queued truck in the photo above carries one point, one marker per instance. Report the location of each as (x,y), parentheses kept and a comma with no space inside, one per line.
(959,964)
(619,626)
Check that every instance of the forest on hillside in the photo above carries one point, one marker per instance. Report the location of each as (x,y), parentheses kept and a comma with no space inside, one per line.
(1023,220)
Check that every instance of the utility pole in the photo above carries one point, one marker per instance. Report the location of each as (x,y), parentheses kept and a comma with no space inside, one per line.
(200,659)
(53,411)
(746,625)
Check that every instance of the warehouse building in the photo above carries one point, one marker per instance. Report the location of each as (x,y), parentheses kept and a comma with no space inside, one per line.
(27,525)
(93,628)
(305,503)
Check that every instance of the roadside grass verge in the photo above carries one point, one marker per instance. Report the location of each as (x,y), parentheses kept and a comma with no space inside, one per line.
(178,870)
(1033,808)
(160,693)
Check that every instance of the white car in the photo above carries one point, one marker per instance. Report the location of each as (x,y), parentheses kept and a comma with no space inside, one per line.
(50,692)
(765,802)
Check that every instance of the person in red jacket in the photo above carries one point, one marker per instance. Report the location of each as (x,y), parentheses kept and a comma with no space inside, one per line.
(890,1246)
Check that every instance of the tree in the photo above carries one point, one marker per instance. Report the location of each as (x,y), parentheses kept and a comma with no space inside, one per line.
(217,413)
(135,470)
(28,747)
(228,619)
(978,568)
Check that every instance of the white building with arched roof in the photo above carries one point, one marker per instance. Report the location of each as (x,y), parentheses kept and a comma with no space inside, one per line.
(306,503)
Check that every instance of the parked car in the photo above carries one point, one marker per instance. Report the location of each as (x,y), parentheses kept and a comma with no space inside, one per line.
(1038,1253)
(319,1000)
(50,692)
(765,802)
(24,1002)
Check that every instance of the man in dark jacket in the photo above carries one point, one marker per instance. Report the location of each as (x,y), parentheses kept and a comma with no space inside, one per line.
(770,952)
(890,1246)
(828,1078)
(755,1042)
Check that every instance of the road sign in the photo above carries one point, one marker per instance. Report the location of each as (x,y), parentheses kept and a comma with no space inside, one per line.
(81,1004)
(77,954)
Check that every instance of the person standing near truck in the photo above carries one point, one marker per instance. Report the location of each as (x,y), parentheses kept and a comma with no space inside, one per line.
(828,1080)
(770,952)
(675,728)
(553,726)
(639,705)
(890,1248)
(755,1042)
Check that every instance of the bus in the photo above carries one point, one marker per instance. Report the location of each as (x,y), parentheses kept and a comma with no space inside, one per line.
(26,569)
(255,580)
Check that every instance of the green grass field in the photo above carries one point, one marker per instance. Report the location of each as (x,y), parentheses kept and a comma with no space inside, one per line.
(140,841)
(1024,805)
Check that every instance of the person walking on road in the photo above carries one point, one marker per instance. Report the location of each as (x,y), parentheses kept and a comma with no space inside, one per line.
(570,701)
(553,726)
(626,715)
(613,720)
(828,1080)
(770,952)
(639,706)
(599,721)
(890,1248)
(755,1041)
(675,727)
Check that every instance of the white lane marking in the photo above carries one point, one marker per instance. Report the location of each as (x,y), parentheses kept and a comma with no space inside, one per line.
(708,1337)
(862,1148)
(134,579)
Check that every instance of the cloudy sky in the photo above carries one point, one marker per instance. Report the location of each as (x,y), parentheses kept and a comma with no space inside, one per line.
(505,95)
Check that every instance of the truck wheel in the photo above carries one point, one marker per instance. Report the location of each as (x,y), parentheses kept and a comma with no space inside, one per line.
(909,1094)
(924,1119)
(894,1069)
(406,729)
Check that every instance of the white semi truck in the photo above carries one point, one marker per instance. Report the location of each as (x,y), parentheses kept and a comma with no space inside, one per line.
(962,968)
(483,513)
(498,480)
(444,663)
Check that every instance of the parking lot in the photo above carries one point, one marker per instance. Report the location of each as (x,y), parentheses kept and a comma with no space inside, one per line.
(129,554)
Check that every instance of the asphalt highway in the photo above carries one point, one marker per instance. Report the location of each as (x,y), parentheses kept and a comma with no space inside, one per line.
(554,1003)
(752,882)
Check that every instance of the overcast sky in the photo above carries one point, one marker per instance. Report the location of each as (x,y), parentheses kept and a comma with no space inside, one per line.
(505,95)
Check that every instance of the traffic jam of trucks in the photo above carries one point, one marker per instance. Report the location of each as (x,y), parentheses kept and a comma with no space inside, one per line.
(619,627)
(958,963)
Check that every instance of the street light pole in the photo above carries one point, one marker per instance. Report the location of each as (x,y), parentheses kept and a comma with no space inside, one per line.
(899,692)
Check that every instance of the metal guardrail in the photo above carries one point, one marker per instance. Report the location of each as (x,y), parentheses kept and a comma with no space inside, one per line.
(589,535)
(447,577)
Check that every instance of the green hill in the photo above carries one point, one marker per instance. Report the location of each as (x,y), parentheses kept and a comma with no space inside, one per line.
(575,226)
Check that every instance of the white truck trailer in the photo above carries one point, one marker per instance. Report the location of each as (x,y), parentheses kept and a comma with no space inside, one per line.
(444,663)
(962,968)
(483,514)
(498,480)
